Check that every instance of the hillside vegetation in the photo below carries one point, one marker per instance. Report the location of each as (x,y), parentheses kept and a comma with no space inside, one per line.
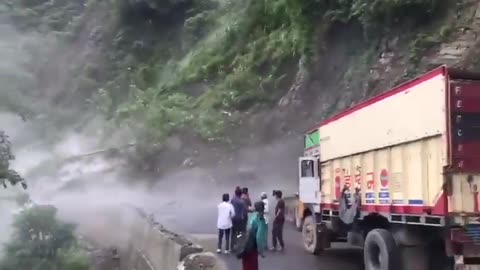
(203,67)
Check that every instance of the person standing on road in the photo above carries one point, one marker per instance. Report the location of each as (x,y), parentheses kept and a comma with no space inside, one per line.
(257,233)
(266,212)
(238,217)
(279,220)
(224,222)
(248,205)
(246,198)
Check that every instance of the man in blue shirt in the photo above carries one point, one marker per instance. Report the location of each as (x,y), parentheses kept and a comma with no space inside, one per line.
(238,219)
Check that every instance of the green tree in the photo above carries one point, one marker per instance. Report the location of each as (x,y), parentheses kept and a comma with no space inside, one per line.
(41,242)
(6,173)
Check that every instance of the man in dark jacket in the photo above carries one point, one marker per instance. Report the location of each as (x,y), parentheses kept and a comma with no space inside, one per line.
(248,207)
(279,220)
(238,218)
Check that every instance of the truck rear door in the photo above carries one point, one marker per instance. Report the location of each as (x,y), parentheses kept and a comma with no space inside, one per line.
(465,123)
(465,147)
(309,180)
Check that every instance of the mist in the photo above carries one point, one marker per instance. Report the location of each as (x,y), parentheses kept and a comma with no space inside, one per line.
(97,192)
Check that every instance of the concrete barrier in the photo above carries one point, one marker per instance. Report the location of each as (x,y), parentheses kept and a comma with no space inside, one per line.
(207,241)
(153,247)
(144,244)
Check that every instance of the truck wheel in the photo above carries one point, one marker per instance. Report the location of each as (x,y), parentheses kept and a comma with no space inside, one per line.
(380,251)
(310,237)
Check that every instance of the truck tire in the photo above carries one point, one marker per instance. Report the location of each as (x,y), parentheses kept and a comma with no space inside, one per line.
(380,251)
(310,237)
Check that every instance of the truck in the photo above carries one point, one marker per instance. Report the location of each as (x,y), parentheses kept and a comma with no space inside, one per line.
(398,175)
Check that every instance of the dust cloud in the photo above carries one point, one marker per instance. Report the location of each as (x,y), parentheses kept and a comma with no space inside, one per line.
(98,192)
(184,200)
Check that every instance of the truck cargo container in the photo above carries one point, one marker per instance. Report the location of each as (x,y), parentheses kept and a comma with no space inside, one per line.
(399,175)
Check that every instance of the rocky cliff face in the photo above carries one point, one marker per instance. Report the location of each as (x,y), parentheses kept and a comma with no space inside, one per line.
(204,83)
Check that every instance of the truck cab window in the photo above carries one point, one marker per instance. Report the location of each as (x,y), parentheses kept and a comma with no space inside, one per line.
(307,168)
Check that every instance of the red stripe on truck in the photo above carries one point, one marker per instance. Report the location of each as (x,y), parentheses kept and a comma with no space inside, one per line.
(401,88)
(378,208)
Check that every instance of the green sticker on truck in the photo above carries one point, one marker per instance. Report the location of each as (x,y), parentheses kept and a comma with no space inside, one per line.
(312,139)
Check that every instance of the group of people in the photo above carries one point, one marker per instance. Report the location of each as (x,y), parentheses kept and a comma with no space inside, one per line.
(239,216)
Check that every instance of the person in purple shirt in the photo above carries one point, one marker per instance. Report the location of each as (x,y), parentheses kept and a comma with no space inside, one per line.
(238,219)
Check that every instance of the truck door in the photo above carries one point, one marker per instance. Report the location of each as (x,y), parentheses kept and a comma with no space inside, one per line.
(309,180)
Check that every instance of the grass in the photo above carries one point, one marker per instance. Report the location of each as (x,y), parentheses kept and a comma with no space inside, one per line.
(238,57)
(239,51)
(235,52)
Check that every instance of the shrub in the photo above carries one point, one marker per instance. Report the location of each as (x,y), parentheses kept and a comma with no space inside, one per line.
(42,242)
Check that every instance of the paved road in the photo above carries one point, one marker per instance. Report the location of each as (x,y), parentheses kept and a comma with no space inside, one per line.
(295,258)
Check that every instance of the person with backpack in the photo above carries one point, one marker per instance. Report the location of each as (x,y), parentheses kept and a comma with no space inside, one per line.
(224,222)
(255,242)
(238,217)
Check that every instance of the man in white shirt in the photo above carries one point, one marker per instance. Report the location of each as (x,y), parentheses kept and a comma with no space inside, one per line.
(264,199)
(224,222)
